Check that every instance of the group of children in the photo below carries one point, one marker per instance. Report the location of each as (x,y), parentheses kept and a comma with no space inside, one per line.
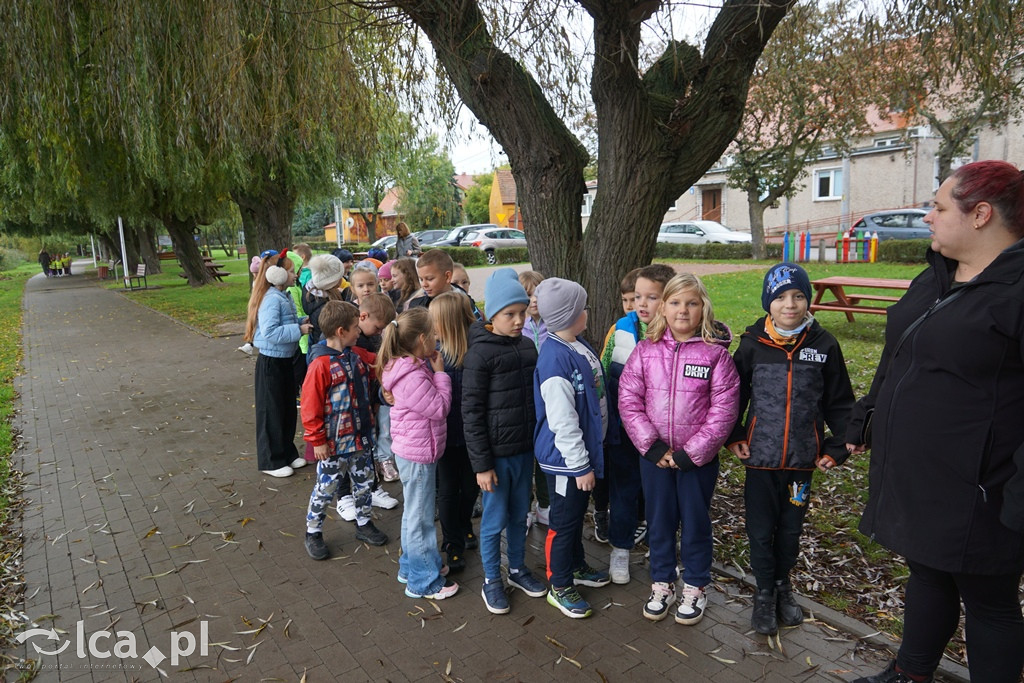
(517,402)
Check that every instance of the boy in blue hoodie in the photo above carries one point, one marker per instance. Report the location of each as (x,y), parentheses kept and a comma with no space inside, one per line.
(338,423)
(572,417)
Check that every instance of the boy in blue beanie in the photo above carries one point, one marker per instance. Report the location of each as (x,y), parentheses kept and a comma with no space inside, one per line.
(794,378)
(498,417)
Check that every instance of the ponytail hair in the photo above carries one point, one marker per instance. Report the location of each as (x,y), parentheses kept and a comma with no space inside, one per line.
(401,337)
(452,316)
(682,283)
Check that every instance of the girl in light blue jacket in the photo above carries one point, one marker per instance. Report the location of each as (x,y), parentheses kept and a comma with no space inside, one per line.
(275,329)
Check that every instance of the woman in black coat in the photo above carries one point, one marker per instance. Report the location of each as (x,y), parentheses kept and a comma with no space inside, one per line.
(945,421)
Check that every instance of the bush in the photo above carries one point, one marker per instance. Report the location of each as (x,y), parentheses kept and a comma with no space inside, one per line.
(467,256)
(705,251)
(11,259)
(512,255)
(903,251)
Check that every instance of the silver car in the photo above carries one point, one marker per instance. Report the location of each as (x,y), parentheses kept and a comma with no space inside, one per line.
(491,238)
(700,232)
(898,224)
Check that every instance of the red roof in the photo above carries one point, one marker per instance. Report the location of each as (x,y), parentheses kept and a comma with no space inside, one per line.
(506,186)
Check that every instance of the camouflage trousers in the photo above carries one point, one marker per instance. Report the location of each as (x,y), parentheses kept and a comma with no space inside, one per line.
(358,465)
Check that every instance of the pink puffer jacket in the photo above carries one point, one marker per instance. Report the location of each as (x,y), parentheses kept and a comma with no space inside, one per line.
(685,394)
(422,401)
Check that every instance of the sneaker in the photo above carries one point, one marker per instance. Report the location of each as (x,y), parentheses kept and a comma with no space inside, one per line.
(478,507)
(663,595)
(618,566)
(527,582)
(569,602)
(347,508)
(692,605)
(471,541)
(285,471)
(388,470)
(542,515)
(447,590)
(297,463)
(588,576)
(316,547)
(368,533)
(640,535)
(456,563)
(382,499)
(763,619)
(601,527)
(890,675)
(786,609)
(495,597)
(404,579)
(246,348)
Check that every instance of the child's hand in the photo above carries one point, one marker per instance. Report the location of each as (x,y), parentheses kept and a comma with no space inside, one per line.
(825,463)
(320,452)
(437,362)
(305,328)
(586,482)
(389,398)
(741,449)
(665,462)
(487,481)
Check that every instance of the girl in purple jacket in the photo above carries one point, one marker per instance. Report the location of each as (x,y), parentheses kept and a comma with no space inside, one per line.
(678,399)
(412,373)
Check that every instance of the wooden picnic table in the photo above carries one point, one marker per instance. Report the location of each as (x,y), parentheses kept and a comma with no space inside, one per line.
(850,302)
(213,268)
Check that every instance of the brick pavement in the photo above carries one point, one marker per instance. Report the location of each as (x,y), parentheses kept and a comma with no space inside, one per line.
(146,514)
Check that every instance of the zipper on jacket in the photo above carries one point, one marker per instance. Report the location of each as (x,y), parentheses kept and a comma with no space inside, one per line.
(789,393)
(672,397)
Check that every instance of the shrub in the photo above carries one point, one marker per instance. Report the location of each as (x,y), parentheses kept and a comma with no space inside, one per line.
(512,255)
(903,251)
(467,256)
(704,251)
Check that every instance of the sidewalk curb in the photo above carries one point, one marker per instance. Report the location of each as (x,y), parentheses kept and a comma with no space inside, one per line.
(950,671)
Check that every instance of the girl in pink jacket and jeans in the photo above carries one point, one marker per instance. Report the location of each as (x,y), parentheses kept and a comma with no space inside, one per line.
(412,371)
(678,399)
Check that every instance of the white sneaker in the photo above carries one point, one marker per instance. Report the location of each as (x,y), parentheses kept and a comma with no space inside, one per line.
(618,567)
(347,508)
(285,471)
(692,605)
(542,515)
(298,462)
(382,499)
(663,594)
(246,348)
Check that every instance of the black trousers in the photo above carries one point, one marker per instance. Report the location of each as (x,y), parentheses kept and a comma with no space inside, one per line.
(276,413)
(776,502)
(456,495)
(994,627)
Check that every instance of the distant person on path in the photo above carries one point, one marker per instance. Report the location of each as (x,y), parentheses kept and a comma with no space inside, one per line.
(337,419)
(275,329)
(943,421)
(44,262)
(406,245)
(794,378)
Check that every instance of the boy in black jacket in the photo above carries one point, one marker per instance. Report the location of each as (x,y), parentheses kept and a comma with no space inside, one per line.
(794,378)
(498,415)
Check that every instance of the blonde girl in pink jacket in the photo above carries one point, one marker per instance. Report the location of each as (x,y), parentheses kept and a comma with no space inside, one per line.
(412,372)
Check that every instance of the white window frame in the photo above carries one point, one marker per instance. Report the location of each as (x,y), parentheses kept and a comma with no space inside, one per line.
(888,142)
(835,188)
(588,204)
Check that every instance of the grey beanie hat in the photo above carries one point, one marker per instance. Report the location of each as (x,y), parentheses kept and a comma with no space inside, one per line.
(560,302)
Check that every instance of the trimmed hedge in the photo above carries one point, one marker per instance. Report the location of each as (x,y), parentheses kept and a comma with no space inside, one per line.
(704,251)
(903,251)
(512,255)
(467,256)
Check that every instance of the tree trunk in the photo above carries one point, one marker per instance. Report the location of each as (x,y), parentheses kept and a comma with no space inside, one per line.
(147,249)
(266,214)
(755,210)
(182,234)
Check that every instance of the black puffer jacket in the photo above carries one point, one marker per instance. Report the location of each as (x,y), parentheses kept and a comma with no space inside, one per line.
(497,396)
(945,421)
(792,392)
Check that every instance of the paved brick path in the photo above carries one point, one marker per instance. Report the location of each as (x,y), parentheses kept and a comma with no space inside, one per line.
(147,515)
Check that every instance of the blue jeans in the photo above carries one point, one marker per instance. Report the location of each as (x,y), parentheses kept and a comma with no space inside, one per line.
(675,498)
(505,509)
(382,451)
(622,469)
(563,547)
(420,562)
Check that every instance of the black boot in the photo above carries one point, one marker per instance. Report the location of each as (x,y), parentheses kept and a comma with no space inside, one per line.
(890,675)
(763,620)
(788,611)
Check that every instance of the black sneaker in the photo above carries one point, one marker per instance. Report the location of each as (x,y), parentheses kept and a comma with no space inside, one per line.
(763,619)
(456,563)
(368,533)
(471,541)
(788,612)
(478,507)
(601,526)
(316,547)
(890,675)
(640,535)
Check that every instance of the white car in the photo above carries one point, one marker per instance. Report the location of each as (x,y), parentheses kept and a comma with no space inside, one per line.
(700,232)
(490,239)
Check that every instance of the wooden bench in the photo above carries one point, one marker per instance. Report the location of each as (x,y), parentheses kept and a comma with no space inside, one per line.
(850,302)
(167,256)
(137,281)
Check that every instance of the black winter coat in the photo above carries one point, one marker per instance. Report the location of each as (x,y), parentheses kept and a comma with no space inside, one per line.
(792,393)
(497,396)
(945,421)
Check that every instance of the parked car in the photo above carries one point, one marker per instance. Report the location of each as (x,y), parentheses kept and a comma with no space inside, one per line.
(700,232)
(455,235)
(430,237)
(898,224)
(387,242)
(491,238)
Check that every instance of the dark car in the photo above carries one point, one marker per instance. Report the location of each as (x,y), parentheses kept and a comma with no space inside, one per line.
(456,235)
(899,224)
(430,237)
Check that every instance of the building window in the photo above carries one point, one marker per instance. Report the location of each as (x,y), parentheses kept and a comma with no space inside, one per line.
(588,204)
(887,142)
(828,184)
